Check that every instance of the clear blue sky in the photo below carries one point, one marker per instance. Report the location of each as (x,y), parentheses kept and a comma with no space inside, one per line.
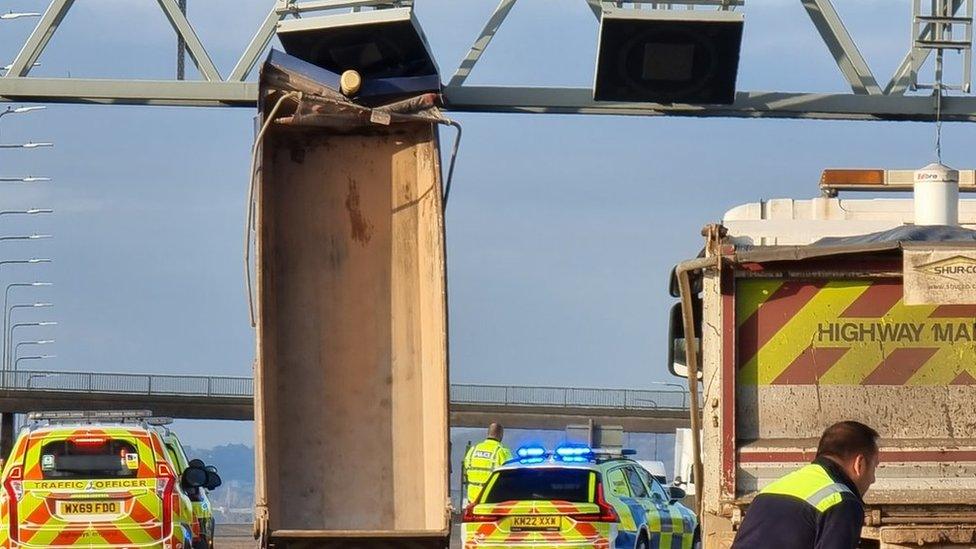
(561,229)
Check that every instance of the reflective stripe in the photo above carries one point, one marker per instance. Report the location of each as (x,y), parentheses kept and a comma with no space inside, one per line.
(822,495)
(812,484)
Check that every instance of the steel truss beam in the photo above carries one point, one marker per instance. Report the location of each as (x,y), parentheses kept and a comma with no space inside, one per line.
(505,100)
(868,101)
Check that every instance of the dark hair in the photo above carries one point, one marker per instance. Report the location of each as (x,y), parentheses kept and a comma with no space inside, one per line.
(846,439)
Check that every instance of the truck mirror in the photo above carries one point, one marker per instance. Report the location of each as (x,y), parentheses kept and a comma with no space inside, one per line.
(677,361)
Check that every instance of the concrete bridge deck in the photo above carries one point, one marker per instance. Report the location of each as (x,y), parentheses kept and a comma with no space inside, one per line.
(231,398)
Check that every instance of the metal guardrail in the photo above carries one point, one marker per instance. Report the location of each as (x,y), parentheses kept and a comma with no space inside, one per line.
(570,397)
(133,384)
(243,387)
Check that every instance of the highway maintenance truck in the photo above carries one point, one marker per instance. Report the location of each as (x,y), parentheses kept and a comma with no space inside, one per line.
(351,387)
(801,313)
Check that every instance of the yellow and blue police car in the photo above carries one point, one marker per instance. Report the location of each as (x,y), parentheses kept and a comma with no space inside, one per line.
(577,497)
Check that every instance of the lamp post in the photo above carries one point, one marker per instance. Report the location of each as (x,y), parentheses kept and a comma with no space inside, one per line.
(7,354)
(24,324)
(18,15)
(35,357)
(34,236)
(6,68)
(29,211)
(28,145)
(666,384)
(34,375)
(22,343)
(3,308)
(20,110)
(28,179)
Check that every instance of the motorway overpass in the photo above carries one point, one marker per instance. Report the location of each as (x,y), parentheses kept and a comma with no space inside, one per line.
(231,398)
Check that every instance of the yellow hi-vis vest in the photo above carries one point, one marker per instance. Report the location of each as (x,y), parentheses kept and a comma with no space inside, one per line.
(480,461)
(812,484)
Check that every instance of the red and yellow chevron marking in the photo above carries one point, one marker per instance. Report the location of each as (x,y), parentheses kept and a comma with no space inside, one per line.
(849,332)
(571,533)
(139,522)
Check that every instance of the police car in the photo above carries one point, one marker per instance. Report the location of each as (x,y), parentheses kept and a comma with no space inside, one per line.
(203,537)
(94,479)
(577,497)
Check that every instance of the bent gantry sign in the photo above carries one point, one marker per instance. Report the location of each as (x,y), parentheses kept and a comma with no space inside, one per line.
(946,26)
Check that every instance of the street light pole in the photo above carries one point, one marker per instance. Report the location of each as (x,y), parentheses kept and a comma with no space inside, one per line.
(29,211)
(22,343)
(18,15)
(22,324)
(20,110)
(3,309)
(34,236)
(36,357)
(28,145)
(28,179)
(10,336)
(6,68)
(666,384)
(35,375)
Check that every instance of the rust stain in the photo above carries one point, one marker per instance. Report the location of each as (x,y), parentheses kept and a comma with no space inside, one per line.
(362,229)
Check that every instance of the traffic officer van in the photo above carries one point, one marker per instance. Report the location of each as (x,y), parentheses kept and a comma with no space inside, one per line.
(577,497)
(94,479)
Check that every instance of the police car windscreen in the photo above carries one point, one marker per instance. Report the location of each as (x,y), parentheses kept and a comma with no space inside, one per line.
(90,458)
(540,484)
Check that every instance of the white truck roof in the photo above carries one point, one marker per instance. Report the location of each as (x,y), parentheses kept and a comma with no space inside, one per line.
(785,221)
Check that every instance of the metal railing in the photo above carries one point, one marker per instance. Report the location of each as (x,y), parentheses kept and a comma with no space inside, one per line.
(243,387)
(570,397)
(135,384)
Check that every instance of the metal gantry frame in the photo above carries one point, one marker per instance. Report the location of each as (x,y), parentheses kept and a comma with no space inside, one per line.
(867,100)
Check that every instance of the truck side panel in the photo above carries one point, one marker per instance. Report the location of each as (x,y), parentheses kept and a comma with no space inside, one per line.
(813,351)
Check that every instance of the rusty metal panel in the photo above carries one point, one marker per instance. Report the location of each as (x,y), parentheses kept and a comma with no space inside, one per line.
(931,536)
(353,327)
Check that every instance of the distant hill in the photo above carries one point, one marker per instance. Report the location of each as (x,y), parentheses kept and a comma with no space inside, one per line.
(234,461)
(233,501)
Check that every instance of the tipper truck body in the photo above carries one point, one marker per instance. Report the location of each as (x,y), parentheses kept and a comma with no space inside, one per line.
(351,387)
(810,312)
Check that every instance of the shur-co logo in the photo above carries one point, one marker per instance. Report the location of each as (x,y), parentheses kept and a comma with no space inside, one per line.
(952,267)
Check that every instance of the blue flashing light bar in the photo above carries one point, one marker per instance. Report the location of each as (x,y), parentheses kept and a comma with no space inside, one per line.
(530,452)
(573,451)
(575,459)
(532,460)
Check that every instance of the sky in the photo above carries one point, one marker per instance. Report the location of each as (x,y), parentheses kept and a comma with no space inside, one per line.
(561,229)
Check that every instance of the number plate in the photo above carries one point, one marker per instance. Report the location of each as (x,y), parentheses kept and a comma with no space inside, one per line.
(88,508)
(541,522)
